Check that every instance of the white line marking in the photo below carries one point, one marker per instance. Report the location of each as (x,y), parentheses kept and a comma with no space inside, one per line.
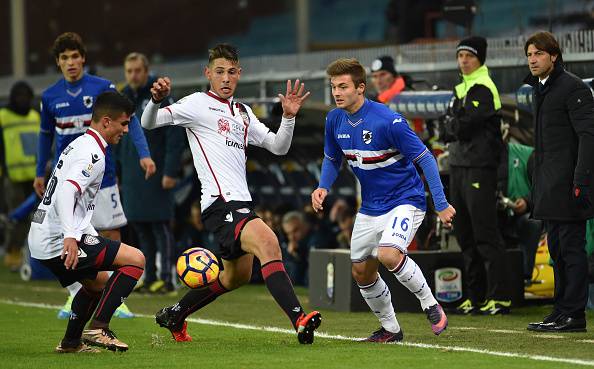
(553,336)
(339,337)
(463,328)
(511,331)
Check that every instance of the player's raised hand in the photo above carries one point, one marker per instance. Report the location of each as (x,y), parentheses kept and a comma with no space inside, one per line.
(317,199)
(161,89)
(447,215)
(293,98)
(70,253)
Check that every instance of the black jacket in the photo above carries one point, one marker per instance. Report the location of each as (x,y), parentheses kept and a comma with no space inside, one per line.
(474,132)
(146,200)
(563,111)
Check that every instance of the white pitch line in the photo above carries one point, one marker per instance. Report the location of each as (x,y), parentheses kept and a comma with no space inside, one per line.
(553,336)
(464,328)
(339,337)
(510,331)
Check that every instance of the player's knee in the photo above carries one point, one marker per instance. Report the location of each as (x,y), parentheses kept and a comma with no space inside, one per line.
(269,249)
(234,280)
(389,257)
(362,275)
(139,259)
(134,256)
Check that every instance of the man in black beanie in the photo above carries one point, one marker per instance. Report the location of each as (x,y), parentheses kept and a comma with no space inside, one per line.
(473,130)
(385,79)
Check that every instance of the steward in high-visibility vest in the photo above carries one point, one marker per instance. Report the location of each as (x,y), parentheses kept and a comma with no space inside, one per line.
(19,128)
(19,125)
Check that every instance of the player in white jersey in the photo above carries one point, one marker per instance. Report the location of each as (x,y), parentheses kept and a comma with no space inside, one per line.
(219,130)
(63,239)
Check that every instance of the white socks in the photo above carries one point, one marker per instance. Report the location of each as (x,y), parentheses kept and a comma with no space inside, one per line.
(73,288)
(410,275)
(378,297)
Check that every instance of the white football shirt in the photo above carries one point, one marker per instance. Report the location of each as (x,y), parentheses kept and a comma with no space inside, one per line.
(81,165)
(218,131)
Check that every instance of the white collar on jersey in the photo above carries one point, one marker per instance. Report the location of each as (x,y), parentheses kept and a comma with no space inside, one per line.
(100,140)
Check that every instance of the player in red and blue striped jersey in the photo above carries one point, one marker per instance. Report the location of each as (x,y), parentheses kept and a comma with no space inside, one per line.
(381,149)
(66,109)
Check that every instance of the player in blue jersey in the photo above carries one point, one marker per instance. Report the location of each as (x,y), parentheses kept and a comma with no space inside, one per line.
(66,109)
(381,149)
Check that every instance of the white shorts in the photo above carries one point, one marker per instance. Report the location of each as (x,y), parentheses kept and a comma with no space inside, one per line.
(108,213)
(396,229)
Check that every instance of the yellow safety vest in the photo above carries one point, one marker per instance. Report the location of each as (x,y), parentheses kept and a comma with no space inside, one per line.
(478,77)
(20,135)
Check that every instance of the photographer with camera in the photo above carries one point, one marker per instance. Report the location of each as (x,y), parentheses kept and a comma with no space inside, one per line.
(514,176)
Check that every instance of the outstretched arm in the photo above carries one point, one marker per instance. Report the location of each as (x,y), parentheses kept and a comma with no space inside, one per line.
(428,164)
(279,143)
(153,117)
(146,162)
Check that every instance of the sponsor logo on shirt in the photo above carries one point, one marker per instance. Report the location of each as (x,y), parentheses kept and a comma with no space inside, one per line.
(87,172)
(367,136)
(82,253)
(232,143)
(94,158)
(398,235)
(216,109)
(38,216)
(91,241)
(243,210)
(62,105)
(344,135)
(229,217)
(224,127)
(67,150)
(88,101)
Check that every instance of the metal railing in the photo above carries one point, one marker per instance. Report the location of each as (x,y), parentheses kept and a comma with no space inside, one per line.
(410,58)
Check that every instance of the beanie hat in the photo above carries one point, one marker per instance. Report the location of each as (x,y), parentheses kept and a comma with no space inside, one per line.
(476,45)
(384,63)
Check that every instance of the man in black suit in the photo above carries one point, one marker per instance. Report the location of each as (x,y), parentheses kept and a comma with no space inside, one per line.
(564,147)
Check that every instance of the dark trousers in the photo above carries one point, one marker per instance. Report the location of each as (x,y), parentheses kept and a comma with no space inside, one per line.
(473,195)
(529,232)
(155,237)
(14,195)
(567,242)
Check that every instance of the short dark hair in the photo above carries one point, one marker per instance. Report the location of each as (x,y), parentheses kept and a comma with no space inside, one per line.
(112,104)
(225,51)
(544,41)
(349,66)
(68,41)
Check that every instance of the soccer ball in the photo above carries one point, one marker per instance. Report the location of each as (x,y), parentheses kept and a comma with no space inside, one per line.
(197,267)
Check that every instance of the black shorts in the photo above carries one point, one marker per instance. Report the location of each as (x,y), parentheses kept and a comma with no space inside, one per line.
(95,254)
(226,221)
